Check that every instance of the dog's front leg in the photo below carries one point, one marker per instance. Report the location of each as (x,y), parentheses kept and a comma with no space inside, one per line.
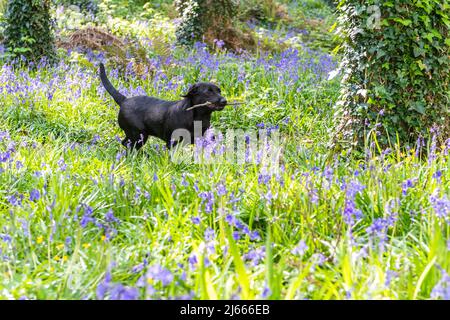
(135,142)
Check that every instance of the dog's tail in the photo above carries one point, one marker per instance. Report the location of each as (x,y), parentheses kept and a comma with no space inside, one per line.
(117,96)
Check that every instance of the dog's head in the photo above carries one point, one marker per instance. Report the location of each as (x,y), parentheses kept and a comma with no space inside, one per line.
(203,92)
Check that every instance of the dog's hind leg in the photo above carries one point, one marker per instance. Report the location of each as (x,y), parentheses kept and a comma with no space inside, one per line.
(141,141)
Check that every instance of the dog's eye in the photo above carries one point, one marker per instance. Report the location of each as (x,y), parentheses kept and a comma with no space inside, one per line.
(210,90)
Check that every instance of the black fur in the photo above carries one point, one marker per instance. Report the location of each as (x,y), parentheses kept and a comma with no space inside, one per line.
(143,116)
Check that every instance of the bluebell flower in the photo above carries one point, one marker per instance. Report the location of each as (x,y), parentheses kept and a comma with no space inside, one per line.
(209,234)
(406,185)
(264,179)
(254,236)
(230,219)
(266,292)
(300,249)
(34,195)
(207,200)
(87,216)
(192,260)
(62,165)
(110,218)
(138,268)
(5,237)
(196,220)
(19,165)
(442,288)
(256,255)
(441,206)
(437,175)
(120,292)
(15,199)
(158,273)
(206,261)
(389,276)
(221,190)
(184,183)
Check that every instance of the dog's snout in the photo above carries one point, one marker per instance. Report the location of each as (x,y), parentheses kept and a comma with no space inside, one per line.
(223,101)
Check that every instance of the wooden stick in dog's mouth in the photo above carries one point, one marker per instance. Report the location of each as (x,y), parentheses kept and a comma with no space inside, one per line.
(207,103)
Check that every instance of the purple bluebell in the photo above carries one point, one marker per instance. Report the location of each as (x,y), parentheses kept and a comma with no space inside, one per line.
(138,268)
(406,185)
(438,175)
(62,165)
(87,216)
(15,199)
(441,206)
(184,183)
(196,220)
(230,219)
(192,260)
(266,292)
(254,236)
(34,195)
(208,200)
(221,190)
(5,237)
(158,273)
(209,234)
(256,255)
(300,249)
(120,292)
(19,165)
(390,275)
(442,289)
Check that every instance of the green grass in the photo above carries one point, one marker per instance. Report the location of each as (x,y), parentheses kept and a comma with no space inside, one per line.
(155,199)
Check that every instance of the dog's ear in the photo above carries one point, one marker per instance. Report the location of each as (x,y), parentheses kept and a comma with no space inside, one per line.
(191,92)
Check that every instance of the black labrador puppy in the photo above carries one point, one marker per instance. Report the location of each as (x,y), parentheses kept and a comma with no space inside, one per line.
(143,116)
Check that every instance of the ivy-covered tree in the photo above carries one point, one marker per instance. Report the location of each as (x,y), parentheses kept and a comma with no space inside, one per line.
(396,71)
(199,17)
(84,5)
(28,29)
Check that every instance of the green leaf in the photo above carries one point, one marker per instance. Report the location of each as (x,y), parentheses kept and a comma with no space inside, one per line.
(421,65)
(405,22)
(419,107)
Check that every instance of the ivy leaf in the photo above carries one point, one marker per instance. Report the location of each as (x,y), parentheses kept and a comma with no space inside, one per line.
(405,22)
(421,65)
(419,107)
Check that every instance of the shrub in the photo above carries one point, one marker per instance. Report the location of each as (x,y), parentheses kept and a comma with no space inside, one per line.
(395,70)
(29,30)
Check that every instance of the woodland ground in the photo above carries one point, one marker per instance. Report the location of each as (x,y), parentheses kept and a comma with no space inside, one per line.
(79,218)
